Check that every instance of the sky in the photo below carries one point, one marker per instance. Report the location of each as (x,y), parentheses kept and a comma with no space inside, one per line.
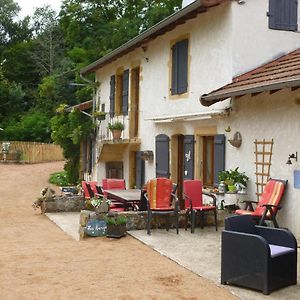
(28,6)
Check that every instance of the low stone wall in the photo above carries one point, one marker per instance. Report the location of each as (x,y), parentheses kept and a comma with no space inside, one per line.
(137,220)
(65,203)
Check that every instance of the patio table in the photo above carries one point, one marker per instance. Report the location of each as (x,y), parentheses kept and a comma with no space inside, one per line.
(130,197)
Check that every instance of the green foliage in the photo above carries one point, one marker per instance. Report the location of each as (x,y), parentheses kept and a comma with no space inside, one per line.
(41,55)
(33,126)
(115,220)
(59,178)
(116,126)
(68,129)
(233,176)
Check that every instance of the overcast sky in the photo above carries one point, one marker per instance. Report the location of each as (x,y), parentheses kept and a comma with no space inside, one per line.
(28,6)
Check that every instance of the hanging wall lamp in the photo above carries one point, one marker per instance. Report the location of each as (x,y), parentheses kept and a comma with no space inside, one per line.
(294,156)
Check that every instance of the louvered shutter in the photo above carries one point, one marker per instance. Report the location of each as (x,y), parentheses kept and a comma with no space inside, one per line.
(125,92)
(174,86)
(162,155)
(140,170)
(283,14)
(182,66)
(112,95)
(219,156)
(188,156)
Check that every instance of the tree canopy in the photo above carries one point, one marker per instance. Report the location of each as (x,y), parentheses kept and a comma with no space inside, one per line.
(41,54)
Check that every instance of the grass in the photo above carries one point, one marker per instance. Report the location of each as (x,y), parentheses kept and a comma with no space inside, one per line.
(59,178)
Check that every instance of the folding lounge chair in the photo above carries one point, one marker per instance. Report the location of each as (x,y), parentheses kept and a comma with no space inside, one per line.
(268,204)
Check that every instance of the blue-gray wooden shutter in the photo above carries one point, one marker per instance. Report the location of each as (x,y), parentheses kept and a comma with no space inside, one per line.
(174,86)
(283,14)
(182,66)
(125,92)
(179,67)
(140,170)
(219,156)
(112,95)
(188,156)
(162,155)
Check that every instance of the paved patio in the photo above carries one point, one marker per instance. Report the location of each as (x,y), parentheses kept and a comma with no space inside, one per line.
(199,252)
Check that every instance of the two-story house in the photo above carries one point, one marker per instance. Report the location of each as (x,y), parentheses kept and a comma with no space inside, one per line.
(153,83)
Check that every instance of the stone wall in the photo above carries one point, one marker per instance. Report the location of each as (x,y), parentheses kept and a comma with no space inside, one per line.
(137,220)
(64,203)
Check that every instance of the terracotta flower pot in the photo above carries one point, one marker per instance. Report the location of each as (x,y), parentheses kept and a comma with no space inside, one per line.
(116,134)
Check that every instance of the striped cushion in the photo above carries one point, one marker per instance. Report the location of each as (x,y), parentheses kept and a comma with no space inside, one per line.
(159,193)
(272,194)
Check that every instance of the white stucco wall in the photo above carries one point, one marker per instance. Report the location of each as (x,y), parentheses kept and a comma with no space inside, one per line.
(268,117)
(254,43)
(224,42)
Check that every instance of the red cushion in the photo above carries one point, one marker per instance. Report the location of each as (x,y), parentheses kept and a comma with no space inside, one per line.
(206,207)
(193,190)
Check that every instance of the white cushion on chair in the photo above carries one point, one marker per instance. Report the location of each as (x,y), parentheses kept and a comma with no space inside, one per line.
(279,250)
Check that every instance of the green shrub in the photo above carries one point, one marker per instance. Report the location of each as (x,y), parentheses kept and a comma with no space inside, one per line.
(59,178)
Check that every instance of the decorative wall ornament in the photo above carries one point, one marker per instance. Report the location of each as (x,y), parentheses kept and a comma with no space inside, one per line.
(237,140)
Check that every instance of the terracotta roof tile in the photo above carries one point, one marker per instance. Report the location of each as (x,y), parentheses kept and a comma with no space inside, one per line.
(281,70)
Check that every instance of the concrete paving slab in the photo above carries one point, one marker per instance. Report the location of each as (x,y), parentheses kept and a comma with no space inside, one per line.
(201,253)
(68,222)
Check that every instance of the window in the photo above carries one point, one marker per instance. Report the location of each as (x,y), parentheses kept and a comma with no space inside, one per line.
(179,74)
(283,14)
(122,87)
(114,169)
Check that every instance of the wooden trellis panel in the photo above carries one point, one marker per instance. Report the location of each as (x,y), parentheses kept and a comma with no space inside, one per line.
(263,156)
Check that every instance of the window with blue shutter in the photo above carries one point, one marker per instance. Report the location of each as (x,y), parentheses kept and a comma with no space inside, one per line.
(283,14)
(179,79)
(112,95)
(162,155)
(219,156)
(125,92)
(188,156)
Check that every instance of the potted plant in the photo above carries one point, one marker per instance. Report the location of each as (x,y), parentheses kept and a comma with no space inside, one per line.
(233,177)
(99,115)
(116,225)
(100,204)
(116,129)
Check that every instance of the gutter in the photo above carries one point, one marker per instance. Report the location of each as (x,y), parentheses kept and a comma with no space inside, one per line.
(138,40)
(214,97)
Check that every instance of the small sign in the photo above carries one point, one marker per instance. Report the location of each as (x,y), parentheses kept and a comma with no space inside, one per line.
(297,179)
(95,228)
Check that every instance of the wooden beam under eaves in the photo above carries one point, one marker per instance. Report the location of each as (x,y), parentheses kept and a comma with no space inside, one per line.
(294,88)
(274,91)
(255,94)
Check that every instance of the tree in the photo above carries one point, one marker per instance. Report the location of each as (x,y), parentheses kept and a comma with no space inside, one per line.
(68,130)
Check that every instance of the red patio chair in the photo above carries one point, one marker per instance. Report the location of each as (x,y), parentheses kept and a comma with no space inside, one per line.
(114,184)
(87,189)
(193,196)
(268,204)
(161,200)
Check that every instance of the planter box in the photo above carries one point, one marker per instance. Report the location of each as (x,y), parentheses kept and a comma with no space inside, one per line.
(116,231)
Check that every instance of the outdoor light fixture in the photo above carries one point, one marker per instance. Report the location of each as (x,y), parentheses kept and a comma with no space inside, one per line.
(294,156)
(147,155)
